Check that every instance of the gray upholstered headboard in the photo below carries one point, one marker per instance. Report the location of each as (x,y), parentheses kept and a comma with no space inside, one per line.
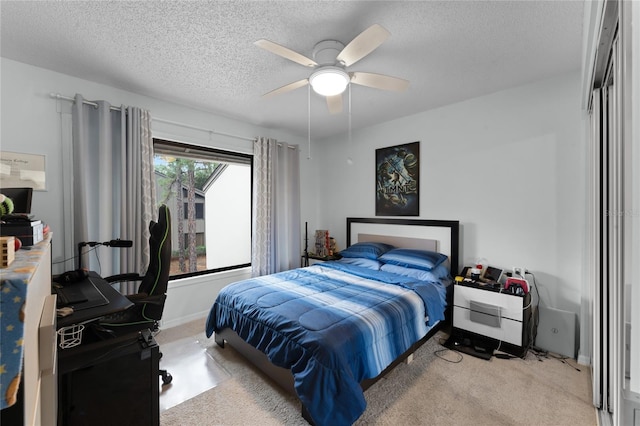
(445,233)
(400,242)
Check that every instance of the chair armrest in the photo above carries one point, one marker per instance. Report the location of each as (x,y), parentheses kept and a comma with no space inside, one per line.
(137,296)
(148,300)
(132,276)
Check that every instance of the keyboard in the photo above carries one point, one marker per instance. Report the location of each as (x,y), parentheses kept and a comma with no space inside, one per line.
(80,296)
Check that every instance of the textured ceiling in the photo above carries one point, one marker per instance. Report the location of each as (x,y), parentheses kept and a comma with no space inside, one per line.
(201,54)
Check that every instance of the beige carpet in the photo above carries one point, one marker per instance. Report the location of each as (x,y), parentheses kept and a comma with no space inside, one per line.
(428,391)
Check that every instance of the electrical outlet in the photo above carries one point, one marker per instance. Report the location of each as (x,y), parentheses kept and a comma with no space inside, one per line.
(519,272)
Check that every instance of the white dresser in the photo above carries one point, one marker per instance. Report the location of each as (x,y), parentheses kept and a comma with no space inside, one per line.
(28,339)
(493,314)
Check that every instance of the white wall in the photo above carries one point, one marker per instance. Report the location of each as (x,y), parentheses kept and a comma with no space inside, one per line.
(33,122)
(509,166)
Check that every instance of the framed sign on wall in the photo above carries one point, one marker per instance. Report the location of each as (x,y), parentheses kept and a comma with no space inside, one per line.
(20,170)
(398,180)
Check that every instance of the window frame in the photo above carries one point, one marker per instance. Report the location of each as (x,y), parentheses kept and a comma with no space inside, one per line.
(199,152)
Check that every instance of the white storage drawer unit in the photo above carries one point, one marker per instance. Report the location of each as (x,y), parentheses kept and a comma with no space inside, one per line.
(500,316)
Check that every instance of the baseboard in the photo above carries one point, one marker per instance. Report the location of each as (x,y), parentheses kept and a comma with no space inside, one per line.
(184,319)
(584,360)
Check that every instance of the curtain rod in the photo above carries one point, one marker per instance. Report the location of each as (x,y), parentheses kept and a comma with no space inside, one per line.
(189,126)
(70,99)
(215,132)
(160,120)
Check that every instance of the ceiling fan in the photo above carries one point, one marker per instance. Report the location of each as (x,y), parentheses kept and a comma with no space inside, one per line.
(330,60)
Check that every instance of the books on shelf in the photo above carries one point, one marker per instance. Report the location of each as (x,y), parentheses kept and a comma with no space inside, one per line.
(322,246)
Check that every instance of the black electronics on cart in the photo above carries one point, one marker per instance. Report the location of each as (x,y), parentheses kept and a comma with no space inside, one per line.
(114,381)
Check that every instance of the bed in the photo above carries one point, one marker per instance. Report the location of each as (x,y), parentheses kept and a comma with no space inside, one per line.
(328,331)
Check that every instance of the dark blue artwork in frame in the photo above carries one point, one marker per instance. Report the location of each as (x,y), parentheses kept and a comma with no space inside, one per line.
(398,180)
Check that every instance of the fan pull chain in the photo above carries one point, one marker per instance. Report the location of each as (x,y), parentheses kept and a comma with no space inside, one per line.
(349,159)
(309,121)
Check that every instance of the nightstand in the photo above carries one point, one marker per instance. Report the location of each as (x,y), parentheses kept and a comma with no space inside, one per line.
(489,312)
(305,258)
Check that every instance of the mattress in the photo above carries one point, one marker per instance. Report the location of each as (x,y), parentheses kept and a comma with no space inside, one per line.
(333,325)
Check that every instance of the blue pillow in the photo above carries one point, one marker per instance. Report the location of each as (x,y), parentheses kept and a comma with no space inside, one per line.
(411,258)
(361,261)
(438,277)
(366,250)
(435,275)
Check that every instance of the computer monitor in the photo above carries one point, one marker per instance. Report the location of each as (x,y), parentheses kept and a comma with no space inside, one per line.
(21,198)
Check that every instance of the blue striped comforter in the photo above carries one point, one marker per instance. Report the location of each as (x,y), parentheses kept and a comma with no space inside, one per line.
(333,325)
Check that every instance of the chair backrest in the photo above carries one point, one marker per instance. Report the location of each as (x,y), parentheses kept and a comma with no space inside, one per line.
(156,279)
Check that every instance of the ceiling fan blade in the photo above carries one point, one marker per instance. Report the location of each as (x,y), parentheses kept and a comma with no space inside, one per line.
(287,88)
(285,52)
(364,43)
(379,81)
(334,103)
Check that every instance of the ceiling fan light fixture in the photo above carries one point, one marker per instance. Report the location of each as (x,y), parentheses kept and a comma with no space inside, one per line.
(329,81)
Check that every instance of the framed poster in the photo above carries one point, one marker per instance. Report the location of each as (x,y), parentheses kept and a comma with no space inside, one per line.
(398,180)
(18,170)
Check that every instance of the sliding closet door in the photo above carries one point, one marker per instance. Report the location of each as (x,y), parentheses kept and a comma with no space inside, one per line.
(615,233)
(596,249)
(614,213)
(607,238)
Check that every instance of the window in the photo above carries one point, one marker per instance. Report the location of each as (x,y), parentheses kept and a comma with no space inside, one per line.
(210,191)
(199,209)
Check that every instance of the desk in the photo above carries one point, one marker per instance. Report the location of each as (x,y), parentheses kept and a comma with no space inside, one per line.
(110,382)
(117,303)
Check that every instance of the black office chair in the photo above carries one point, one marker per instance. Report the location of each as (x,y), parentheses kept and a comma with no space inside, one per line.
(151,295)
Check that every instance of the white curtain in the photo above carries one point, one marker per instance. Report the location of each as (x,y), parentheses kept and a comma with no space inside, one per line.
(114,193)
(276,241)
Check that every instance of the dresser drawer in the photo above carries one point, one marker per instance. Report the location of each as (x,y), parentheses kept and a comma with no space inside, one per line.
(509,306)
(496,327)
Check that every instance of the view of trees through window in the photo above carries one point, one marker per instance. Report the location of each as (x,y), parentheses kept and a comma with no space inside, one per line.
(209,196)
